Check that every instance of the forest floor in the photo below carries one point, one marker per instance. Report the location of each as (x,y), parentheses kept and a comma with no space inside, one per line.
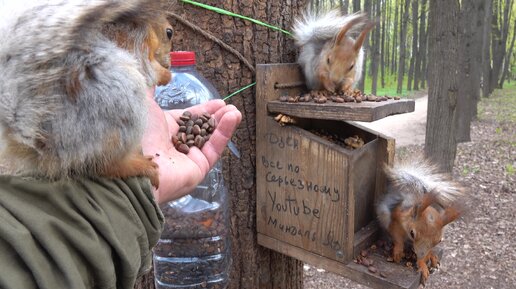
(478,249)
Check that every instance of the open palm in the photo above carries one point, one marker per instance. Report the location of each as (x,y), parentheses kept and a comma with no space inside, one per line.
(179,174)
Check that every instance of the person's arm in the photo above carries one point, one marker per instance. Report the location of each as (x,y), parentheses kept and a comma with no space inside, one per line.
(180,173)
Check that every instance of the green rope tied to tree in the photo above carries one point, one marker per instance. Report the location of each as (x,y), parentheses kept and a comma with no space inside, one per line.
(229,13)
(240,90)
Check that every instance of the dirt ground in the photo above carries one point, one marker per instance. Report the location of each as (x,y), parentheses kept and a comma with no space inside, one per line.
(478,249)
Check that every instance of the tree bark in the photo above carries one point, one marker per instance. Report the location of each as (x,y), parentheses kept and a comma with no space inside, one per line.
(507,62)
(421,61)
(471,18)
(394,59)
(486,48)
(356,5)
(499,41)
(403,37)
(252,265)
(376,48)
(440,144)
(360,84)
(344,4)
(415,56)
(383,48)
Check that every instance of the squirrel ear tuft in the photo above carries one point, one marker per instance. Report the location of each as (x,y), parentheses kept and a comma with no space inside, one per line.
(361,38)
(345,29)
(450,214)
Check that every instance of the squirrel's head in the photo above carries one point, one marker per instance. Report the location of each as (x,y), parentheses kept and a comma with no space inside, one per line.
(160,43)
(340,61)
(425,229)
(145,31)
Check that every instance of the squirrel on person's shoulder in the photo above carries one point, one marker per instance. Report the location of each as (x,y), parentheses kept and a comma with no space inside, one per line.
(331,53)
(75,78)
(418,203)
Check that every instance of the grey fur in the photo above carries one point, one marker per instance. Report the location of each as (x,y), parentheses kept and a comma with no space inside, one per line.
(314,33)
(409,181)
(54,48)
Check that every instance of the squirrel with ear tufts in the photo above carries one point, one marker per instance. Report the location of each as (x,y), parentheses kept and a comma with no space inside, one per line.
(418,203)
(75,77)
(331,53)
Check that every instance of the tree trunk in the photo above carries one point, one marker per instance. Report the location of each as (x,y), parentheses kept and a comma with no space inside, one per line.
(471,17)
(415,53)
(344,4)
(356,5)
(499,40)
(421,70)
(440,145)
(403,45)
(376,48)
(486,49)
(252,265)
(360,84)
(507,62)
(394,59)
(383,48)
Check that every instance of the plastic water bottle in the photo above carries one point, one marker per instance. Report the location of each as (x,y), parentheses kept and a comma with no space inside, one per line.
(194,248)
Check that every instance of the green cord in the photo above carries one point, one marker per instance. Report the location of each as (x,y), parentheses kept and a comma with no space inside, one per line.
(229,13)
(240,90)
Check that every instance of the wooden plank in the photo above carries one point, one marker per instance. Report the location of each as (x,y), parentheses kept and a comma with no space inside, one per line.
(349,111)
(398,276)
(301,203)
(365,237)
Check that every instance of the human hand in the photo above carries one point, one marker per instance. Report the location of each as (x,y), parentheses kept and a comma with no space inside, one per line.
(179,174)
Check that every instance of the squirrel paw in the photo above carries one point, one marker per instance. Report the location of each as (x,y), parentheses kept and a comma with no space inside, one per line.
(153,172)
(434,261)
(424,274)
(397,253)
(135,165)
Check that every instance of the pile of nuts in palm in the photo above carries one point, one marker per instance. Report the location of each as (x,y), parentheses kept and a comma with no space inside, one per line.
(194,130)
(323,96)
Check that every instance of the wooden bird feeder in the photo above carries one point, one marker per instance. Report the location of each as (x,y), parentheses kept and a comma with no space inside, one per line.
(315,198)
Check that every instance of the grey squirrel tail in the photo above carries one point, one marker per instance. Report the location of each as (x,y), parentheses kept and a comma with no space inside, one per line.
(314,28)
(409,180)
(418,176)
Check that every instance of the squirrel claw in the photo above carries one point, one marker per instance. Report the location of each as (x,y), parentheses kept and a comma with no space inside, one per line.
(424,275)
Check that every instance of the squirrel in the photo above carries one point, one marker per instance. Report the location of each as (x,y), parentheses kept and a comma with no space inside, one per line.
(75,78)
(330,58)
(418,203)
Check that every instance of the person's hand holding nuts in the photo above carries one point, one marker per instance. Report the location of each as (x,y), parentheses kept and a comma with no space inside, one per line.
(179,173)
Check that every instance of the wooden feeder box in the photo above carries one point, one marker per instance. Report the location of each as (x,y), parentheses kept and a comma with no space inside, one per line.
(315,198)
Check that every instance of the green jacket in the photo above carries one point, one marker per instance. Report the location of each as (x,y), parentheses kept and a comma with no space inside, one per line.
(76,233)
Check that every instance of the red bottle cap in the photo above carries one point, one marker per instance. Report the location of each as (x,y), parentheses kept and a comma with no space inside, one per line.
(182,58)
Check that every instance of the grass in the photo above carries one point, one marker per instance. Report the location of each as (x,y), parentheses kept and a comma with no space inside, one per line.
(510,169)
(466,170)
(391,84)
(504,101)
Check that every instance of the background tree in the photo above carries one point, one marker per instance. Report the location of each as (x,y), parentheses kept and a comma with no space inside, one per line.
(375,35)
(361,83)
(440,144)
(402,48)
(414,50)
(420,76)
(508,58)
(471,23)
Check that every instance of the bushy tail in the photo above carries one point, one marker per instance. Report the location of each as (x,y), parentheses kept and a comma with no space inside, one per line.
(35,45)
(320,28)
(55,50)
(420,176)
